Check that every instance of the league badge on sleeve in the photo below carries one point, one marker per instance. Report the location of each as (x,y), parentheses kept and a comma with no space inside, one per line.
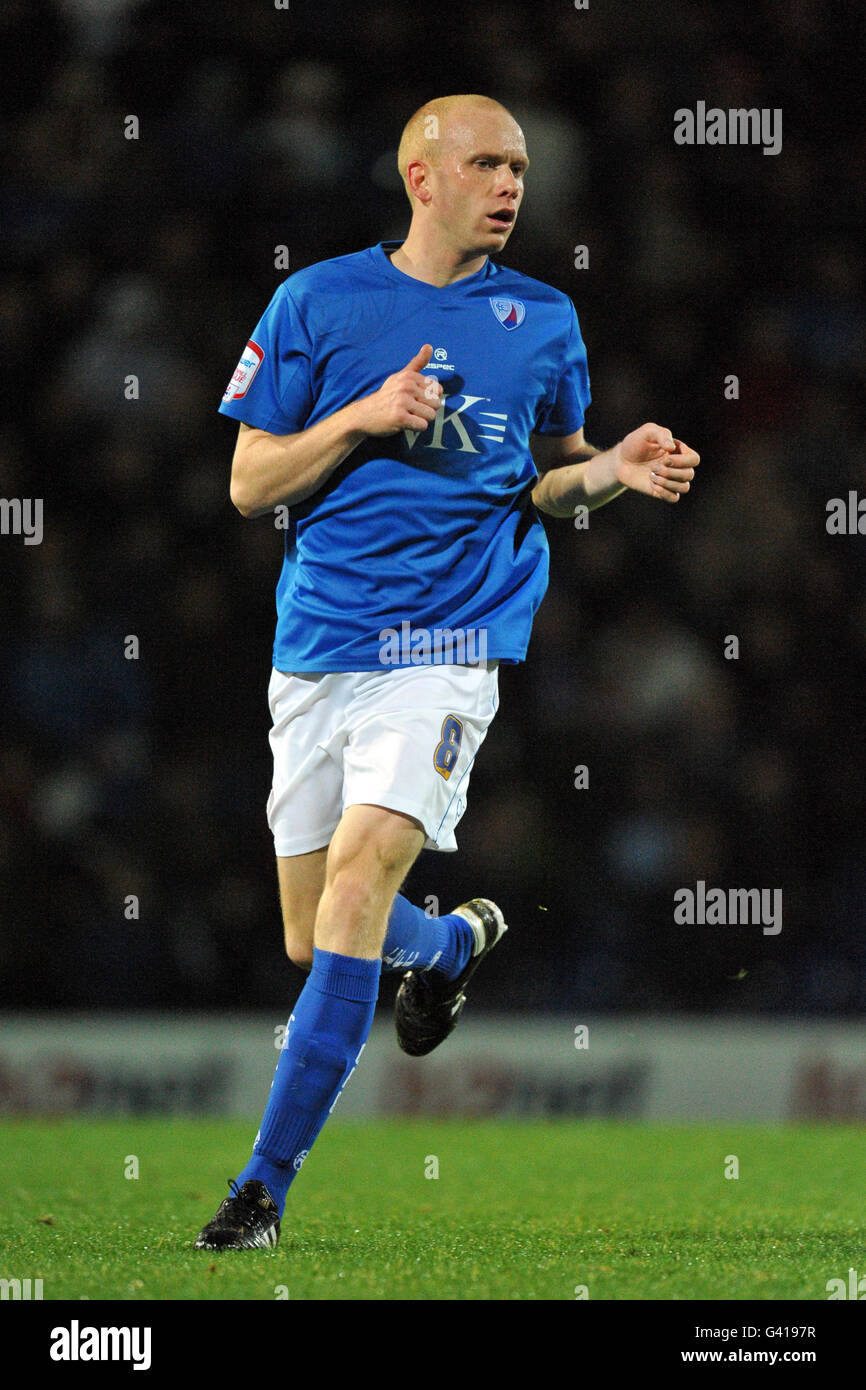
(251,359)
(510,312)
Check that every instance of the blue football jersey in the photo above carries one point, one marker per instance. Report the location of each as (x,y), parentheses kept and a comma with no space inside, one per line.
(430,531)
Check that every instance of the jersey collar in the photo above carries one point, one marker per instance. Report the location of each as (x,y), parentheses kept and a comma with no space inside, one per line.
(382,259)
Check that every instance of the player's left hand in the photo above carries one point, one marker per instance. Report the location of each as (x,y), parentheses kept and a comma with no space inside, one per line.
(653,462)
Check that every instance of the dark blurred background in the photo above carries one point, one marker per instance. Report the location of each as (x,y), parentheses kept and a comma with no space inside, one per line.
(155,257)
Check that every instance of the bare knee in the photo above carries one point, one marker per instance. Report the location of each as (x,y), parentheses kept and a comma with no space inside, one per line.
(301,879)
(298,937)
(370,855)
(374,853)
(361,882)
(300,952)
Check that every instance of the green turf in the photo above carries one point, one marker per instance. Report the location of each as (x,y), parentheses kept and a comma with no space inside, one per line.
(519,1211)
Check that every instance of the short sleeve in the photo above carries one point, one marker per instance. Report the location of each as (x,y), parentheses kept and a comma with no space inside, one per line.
(564,408)
(271,386)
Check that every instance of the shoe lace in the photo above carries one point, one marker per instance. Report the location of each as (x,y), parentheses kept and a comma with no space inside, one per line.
(239,1196)
(250,1203)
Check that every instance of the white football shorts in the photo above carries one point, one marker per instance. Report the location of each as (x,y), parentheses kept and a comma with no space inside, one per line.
(404,738)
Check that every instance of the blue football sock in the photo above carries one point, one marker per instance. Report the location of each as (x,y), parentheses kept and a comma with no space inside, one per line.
(415,941)
(324,1040)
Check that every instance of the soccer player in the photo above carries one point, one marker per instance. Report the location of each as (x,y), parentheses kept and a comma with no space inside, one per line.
(414,406)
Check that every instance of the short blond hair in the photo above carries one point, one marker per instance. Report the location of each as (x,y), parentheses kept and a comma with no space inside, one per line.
(422,133)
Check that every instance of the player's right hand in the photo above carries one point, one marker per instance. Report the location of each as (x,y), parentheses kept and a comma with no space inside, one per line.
(408,400)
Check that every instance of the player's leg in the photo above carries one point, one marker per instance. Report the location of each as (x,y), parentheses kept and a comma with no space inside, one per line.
(413,940)
(418,749)
(412,937)
(416,941)
(371,852)
(301,880)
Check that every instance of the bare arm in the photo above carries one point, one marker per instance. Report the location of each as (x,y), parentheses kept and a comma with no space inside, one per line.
(562,463)
(649,460)
(268,469)
(273,469)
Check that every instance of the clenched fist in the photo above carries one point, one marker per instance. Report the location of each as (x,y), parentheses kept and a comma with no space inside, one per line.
(405,401)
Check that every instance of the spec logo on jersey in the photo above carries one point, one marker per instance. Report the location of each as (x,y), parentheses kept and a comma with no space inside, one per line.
(440,361)
(251,359)
(510,312)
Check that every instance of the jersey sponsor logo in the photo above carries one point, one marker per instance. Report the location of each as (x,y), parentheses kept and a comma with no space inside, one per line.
(490,424)
(510,312)
(251,359)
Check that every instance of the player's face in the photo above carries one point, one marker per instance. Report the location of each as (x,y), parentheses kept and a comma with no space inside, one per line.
(478,183)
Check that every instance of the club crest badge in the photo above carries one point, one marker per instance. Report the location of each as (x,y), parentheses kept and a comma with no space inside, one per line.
(510,312)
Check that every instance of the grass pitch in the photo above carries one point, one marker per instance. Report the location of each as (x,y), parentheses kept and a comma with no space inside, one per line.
(531,1211)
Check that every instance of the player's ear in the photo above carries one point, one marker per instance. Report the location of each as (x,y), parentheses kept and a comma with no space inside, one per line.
(418,180)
